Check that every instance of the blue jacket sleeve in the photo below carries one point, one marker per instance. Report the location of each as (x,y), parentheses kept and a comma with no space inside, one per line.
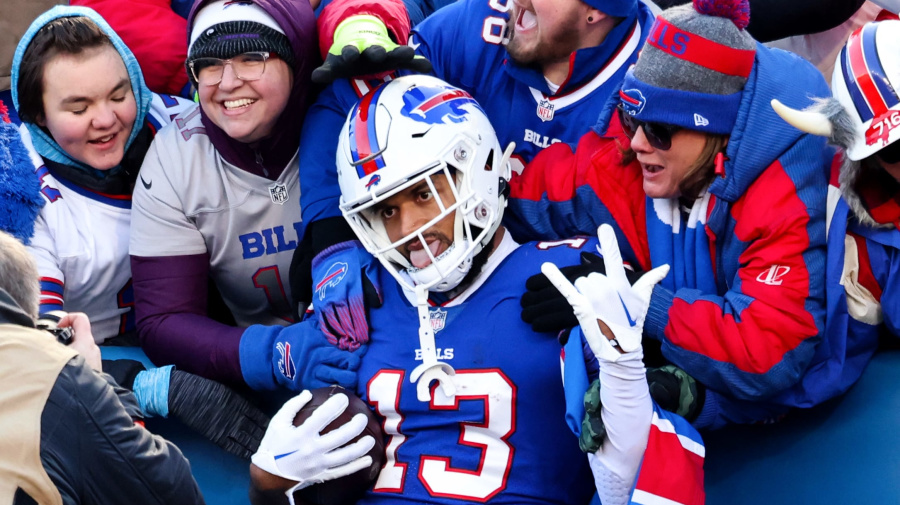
(319,188)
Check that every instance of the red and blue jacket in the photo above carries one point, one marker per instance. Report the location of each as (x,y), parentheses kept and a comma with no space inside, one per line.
(743,307)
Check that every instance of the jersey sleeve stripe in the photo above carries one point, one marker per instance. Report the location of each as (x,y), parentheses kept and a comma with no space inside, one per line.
(51,286)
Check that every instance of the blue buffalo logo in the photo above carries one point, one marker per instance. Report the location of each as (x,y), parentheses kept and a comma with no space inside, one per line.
(436,104)
(333,276)
(373,181)
(632,101)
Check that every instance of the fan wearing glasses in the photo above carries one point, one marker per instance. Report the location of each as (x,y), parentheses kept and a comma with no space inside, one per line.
(217,194)
(732,198)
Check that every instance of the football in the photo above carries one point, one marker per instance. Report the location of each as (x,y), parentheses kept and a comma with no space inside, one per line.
(347,489)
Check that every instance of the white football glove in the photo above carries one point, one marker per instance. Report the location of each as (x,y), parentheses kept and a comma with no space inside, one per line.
(609,298)
(302,454)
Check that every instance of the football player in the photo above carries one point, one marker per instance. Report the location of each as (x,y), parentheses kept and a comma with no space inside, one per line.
(473,405)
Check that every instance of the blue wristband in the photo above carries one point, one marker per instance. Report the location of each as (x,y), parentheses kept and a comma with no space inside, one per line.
(151,388)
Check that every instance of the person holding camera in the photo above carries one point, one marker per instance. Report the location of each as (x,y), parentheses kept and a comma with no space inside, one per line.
(71,435)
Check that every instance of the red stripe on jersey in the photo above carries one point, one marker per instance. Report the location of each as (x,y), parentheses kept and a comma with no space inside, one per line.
(671,471)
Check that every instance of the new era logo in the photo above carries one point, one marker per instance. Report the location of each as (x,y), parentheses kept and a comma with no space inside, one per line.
(700,120)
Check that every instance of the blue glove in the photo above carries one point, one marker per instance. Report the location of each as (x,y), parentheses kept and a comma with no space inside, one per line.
(297,357)
(344,288)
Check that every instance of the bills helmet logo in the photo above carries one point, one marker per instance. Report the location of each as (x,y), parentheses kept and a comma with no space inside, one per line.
(333,276)
(632,101)
(373,181)
(285,362)
(436,104)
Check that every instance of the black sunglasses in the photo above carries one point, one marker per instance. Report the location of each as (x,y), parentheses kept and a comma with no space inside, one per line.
(659,135)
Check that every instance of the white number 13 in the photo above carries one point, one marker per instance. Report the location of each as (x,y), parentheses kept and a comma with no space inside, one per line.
(440,479)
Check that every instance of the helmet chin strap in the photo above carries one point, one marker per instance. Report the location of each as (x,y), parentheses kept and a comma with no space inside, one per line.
(431,369)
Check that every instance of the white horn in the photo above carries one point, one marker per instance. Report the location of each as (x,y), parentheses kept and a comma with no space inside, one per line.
(804,120)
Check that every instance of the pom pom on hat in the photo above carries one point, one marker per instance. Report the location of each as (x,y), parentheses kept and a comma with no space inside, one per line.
(738,11)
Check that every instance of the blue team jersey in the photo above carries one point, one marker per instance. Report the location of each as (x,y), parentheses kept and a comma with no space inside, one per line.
(464,43)
(503,437)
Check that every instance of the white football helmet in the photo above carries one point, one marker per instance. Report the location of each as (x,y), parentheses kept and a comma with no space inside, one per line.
(866,81)
(413,129)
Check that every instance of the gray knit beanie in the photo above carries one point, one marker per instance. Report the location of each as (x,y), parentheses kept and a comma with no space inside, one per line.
(693,67)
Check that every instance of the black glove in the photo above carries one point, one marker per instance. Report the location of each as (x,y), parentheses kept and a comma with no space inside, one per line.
(546,309)
(593,432)
(373,60)
(217,412)
(363,46)
(676,391)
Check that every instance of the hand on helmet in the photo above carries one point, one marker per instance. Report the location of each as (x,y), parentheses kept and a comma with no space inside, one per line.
(362,47)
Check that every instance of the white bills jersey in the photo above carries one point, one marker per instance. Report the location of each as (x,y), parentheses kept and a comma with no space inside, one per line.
(80,242)
(189,200)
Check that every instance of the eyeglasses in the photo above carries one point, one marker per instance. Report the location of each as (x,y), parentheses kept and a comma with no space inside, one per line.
(246,67)
(659,135)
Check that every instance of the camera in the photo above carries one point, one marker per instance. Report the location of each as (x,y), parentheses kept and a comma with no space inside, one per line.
(63,335)
(47,322)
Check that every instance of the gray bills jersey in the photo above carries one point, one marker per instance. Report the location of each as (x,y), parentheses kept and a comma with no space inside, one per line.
(188,200)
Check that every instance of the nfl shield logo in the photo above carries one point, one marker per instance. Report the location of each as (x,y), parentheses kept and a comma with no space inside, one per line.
(545,110)
(438,319)
(279,193)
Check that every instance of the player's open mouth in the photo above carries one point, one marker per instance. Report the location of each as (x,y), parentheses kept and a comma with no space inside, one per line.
(525,21)
(237,104)
(418,255)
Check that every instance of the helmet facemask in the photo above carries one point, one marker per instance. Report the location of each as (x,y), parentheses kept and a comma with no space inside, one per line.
(475,222)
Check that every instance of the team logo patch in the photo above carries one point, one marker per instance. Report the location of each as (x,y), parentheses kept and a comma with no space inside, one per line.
(279,193)
(545,110)
(285,362)
(373,181)
(436,104)
(333,276)
(633,101)
(438,319)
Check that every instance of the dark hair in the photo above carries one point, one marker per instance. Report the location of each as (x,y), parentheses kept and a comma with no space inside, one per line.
(66,35)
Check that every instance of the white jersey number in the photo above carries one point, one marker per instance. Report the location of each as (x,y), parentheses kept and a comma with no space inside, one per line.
(497,393)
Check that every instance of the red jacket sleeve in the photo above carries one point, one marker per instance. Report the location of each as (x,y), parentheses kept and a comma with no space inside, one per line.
(562,193)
